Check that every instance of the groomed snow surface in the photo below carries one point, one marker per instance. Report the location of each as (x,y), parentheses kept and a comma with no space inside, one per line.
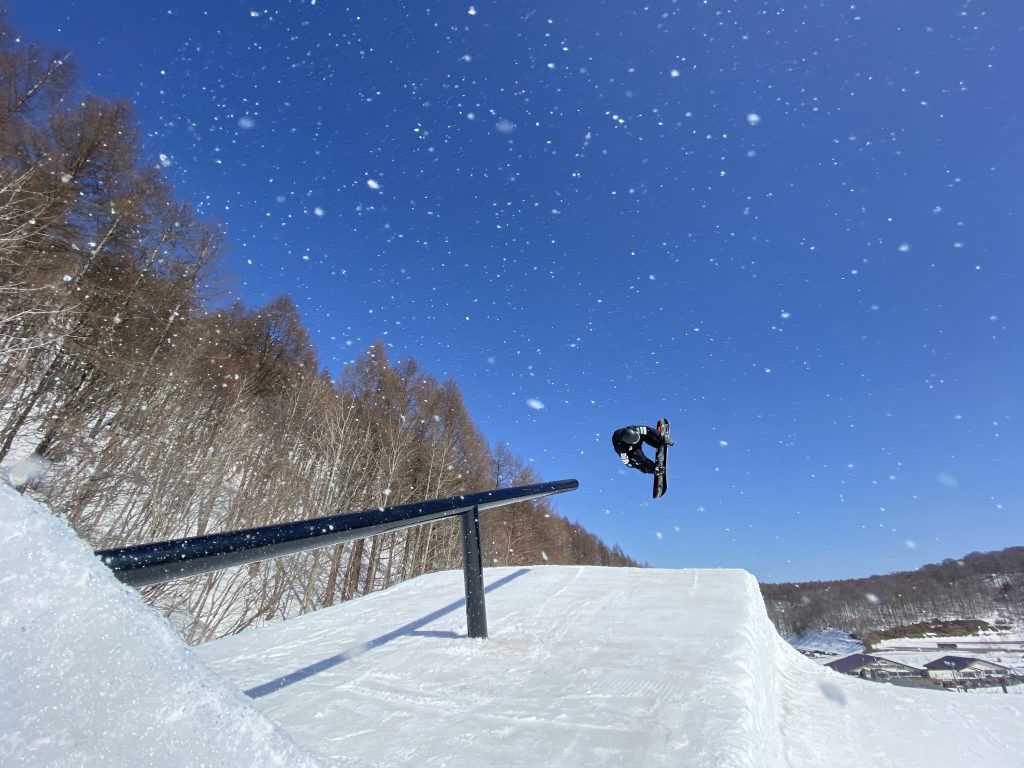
(583,667)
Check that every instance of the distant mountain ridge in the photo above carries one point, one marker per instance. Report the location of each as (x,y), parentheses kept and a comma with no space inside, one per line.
(986,586)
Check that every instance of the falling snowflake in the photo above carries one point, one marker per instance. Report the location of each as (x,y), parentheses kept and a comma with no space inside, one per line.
(27,470)
(534,403)
(753,118)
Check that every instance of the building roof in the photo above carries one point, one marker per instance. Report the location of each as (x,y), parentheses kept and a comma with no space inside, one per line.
(956,663)
(857,660)
(853,661)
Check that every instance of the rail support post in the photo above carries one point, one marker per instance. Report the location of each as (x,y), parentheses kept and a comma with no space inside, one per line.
(473,572)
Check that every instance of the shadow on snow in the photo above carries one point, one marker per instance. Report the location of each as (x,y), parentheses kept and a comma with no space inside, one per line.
(408,629)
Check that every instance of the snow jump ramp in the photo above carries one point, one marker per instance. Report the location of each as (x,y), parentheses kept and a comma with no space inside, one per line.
(591,666)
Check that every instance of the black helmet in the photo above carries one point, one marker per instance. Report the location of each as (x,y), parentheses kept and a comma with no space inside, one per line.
(629,436)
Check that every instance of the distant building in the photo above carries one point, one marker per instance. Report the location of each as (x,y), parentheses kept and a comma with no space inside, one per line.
(959,669)
(873,667)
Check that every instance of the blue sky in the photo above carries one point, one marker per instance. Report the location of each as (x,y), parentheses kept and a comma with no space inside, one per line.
(793,229)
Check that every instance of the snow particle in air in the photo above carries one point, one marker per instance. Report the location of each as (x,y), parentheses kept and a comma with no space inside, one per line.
(535,404)
(246,123)
(724,443)
(904,247)
(318,211)
(472,10)
(27,470)
(373,184)
(753,118)
(504,126)
(674,73)
(871,598)
(910,544)
(946,480)
(165,161)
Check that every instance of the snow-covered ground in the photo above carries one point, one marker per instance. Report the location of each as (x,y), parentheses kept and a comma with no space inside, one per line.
(832,642)
(583,667)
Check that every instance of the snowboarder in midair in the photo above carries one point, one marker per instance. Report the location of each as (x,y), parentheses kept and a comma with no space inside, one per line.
(628,443)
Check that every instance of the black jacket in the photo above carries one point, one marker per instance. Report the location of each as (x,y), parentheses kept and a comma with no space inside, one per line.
(633,455)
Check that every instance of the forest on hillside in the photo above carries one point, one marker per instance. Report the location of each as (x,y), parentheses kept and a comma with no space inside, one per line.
(159,411)
(987,586)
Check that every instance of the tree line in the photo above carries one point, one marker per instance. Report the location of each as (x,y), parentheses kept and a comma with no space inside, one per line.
(982,586)
(160,415)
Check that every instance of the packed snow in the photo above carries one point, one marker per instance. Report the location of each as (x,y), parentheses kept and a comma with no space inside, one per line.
(91,676)
(584,666)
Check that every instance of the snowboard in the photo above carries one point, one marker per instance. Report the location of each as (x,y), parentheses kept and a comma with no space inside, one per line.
(661,460)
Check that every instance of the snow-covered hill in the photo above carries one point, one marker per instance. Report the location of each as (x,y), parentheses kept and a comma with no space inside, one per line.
(584,667)
(832,642)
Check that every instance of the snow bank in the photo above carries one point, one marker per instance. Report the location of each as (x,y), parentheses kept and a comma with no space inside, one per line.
(90,676)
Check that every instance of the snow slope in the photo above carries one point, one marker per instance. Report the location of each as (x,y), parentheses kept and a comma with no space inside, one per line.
(592,667)
(584,667)
(834,642)
(90,676)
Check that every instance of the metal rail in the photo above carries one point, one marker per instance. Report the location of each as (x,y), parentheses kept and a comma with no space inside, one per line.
(146,564)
